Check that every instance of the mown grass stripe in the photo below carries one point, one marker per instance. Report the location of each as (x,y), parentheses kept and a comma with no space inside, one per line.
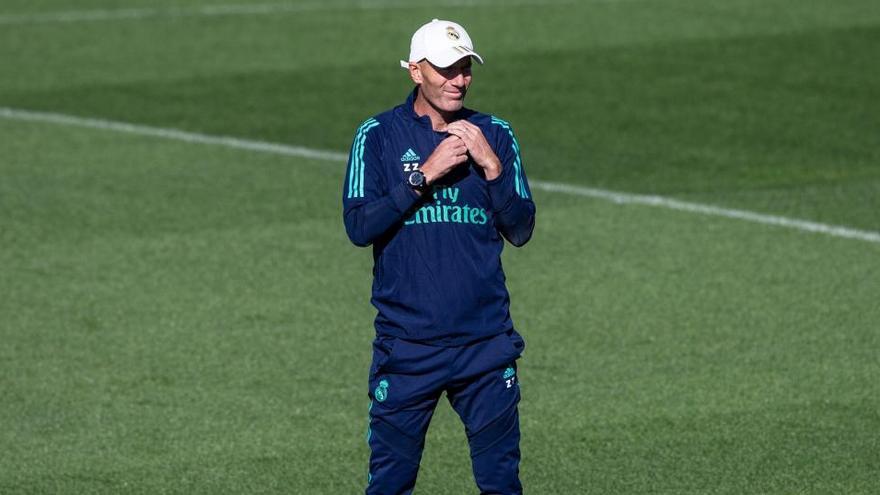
(299,151)
(147,13)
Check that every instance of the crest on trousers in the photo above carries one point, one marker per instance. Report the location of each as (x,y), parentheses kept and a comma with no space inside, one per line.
(381,391)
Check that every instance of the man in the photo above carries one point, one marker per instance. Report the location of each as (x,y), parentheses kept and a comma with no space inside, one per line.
(434,187)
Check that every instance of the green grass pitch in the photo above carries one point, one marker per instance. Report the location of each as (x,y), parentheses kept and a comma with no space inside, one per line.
(183,318)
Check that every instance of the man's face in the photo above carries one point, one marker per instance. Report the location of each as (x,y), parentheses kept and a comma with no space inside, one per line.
(444,88)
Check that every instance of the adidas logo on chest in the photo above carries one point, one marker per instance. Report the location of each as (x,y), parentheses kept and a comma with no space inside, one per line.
(410,160)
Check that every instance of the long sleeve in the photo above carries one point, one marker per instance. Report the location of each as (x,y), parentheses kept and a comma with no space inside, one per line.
(370,206)
(509,193)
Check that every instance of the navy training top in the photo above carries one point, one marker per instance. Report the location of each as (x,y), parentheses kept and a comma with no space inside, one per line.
(437,275)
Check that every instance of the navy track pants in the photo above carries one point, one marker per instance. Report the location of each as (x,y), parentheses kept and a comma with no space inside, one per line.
(480,381)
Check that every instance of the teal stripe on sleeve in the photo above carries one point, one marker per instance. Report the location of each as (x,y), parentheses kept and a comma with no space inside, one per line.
(369,430)
(352,162)
(357,160)
(355,166)
(518,182)
(360,183)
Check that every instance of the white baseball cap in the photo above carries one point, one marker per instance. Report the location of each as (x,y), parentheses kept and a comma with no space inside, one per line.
(441,42)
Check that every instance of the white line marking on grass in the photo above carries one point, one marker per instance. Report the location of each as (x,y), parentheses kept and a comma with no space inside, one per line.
(174,134)
(335,156)
(674,204)
(242,9)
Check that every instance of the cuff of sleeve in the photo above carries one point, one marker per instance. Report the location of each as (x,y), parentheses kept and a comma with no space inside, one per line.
(403,197)
(499,195)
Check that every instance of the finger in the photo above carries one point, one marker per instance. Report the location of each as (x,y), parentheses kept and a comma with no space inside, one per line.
(455,125)
(465,129)
(458,135)
(466,140)
(461,124)
(470,126)
(472,129)
(458,144)
(457,132)
(463,141)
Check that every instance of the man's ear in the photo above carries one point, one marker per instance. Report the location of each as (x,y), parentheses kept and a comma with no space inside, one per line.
(415,73)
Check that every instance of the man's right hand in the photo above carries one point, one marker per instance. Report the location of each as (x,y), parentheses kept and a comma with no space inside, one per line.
(450,153)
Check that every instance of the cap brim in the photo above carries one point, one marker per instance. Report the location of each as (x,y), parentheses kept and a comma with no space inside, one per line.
(452,54)
(445,60)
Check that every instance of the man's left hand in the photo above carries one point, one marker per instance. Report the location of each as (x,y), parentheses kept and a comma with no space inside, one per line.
(477,146)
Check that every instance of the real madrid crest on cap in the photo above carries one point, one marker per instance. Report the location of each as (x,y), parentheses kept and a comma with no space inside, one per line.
(452,34)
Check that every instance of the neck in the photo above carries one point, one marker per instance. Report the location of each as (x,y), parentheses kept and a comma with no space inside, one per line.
(439,118)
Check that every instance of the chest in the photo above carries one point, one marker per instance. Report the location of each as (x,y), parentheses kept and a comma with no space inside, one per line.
(464,186)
